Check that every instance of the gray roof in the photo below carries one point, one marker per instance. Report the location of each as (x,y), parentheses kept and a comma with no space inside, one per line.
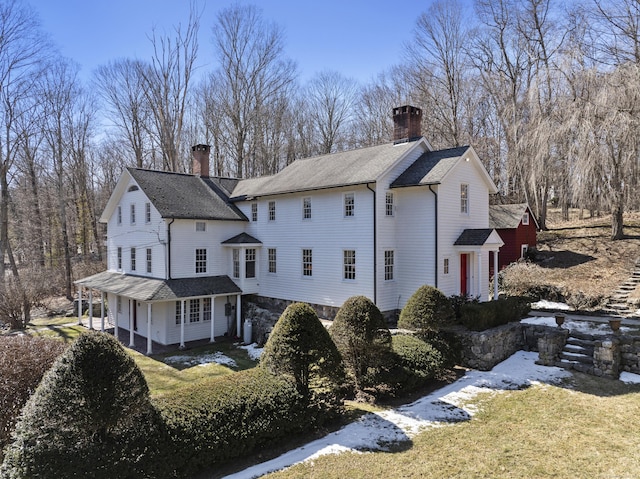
(181,196)
(355,167)
(430,168)
(242,238)
(153,289)
(506,216)
(473,237)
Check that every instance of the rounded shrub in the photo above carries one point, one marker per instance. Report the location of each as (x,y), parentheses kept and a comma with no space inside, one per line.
(361,334)
(90,416)
(426,310)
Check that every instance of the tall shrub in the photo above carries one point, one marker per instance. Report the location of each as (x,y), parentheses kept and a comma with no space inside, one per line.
(90,416)
(361,334)
(426,310)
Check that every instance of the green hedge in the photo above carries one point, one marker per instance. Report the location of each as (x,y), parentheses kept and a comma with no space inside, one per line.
(481,316)
(221,419)
(419,360)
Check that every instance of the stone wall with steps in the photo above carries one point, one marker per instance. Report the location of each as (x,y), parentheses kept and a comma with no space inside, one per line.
(619,304)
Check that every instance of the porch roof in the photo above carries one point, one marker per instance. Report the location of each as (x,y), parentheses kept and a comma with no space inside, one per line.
(479,237)
(153,289)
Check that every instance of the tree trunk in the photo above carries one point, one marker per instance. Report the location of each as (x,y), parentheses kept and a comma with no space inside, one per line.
(617,222)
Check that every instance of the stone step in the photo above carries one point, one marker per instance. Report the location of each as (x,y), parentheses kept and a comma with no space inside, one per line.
(578,358)
(618,306)
(565,364)
(578,349)
(582,336)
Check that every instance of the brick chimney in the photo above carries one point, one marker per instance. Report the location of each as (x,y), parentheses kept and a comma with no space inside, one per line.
(201,160)
(406,123)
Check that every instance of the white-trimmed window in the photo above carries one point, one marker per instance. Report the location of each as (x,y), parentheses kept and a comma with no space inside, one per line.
(206,309)
(272,210)
(250,263)
(201,260)
(307,262)
(119,216)
(445,266)
(149,260)
(194,310)
(201,226)
(388,204)
(464,199)
(349,260)
(119,256)
(272,257)
(349,204)
(306,208)
(254,212)
(389,262)
(236,263)
(133,259)
(178,312)
(523,250)
(525,218)
(132,209)
(147,213)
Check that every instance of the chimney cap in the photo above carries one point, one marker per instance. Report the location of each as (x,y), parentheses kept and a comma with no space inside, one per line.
(200,147)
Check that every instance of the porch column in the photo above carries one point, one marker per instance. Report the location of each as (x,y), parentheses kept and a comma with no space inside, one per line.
(90,308)
(495,275)
(480,278)
(182,307)
(149,341)
(132,341)
(116,317)
(79,304)
(102,311)
(213,318)
(238,317)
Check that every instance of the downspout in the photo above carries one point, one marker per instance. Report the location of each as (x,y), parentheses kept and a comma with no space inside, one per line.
(375,249)
(169,248)
(436,232)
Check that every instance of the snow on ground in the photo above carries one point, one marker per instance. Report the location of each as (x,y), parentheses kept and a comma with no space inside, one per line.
(453,403)
(629,378)
(201,359)
(253,351)
(544,304)
(582,326)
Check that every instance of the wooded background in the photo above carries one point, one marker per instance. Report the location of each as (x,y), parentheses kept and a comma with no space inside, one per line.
(546,91)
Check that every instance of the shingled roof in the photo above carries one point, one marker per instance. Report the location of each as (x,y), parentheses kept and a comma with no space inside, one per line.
(474,237)
(182,196)
(430,168)
(152,289)
(354,167)
(507,216)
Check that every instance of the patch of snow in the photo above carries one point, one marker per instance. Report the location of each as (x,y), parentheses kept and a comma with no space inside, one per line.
(201,359)
(582,326)
(451,404)
(629,378)
(253,351)
(544,304)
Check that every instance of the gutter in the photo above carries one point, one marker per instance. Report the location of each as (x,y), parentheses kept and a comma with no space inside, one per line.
(169,248)
(436,233)
(375,248)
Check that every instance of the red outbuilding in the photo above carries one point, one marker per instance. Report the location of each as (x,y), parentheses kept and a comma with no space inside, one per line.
(517,226)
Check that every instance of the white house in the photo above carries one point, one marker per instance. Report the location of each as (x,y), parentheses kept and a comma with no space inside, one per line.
(378,221)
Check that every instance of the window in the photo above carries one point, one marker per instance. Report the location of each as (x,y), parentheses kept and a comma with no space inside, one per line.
(349,204)
(178,312)
(148,260)
(464,199)
(388,204)
(119,215)
(307,262)
(206,309)
(272,210)
(271,252)
(119,304)
(119,257)
(132,188)
(201,226)
(236,263)
(306,208)
(523,250)
(525,218)
(349,264)
(194,311)
(201,260)
(133,259)
(445,268)
(250,263)
(133,214)
(388,265)
(147,212)
(254,211)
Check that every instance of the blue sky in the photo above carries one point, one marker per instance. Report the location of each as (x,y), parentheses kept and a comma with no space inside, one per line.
(358,38)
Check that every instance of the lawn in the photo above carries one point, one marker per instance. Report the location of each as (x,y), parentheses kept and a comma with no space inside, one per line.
(586,427)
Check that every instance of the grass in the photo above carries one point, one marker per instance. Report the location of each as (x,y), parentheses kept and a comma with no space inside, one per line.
(584,429)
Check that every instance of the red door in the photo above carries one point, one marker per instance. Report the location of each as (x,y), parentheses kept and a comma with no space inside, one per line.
(464,268)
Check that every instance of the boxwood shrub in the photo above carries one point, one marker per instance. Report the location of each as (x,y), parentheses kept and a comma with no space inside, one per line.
(223,418)
(481,316)
(418,359)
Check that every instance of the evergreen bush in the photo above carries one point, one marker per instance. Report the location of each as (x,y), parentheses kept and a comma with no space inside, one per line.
(481,316)
(90,417)
(418,359)
(426,310)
